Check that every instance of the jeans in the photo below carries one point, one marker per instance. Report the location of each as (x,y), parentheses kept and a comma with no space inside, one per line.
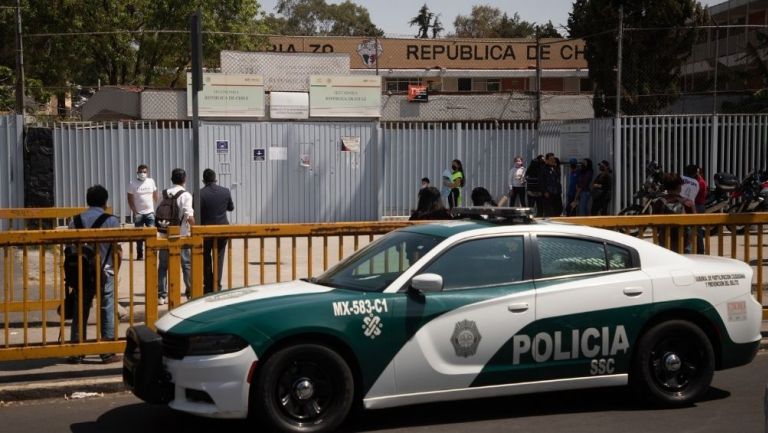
(162,271)
(584,203)
(107,311)
(517,192)
(700,208)
(221,244)
(140,220)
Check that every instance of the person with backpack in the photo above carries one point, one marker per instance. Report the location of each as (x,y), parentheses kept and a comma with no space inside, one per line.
(94,217)
(671,203)
(175,209)
(215,202)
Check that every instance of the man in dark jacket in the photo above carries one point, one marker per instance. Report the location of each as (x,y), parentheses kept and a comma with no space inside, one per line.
(534,180)
(215,202)
(553,188)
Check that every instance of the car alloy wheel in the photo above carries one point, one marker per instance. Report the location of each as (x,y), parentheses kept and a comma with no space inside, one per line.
(674,363)
(304,388)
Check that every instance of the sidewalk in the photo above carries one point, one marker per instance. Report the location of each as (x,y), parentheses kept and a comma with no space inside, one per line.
(54,378)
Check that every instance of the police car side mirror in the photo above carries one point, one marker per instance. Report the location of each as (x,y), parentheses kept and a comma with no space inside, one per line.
(427,283)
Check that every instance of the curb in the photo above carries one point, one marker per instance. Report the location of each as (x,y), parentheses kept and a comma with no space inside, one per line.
(60,389)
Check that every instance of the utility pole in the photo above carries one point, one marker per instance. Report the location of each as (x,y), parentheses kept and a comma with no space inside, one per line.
(196,43)
(19,63)
(538,75)
(617,150)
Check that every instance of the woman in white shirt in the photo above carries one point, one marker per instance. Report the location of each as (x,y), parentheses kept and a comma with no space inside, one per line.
(516,182)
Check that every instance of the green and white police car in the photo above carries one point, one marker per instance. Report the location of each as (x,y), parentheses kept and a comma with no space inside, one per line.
(454,310)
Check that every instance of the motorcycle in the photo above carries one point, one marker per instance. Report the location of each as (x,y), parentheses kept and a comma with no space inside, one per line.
(750,196)
(649,191)
(720,199)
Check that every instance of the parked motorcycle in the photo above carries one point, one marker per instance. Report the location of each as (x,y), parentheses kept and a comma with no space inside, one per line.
(750,196)
(649,191)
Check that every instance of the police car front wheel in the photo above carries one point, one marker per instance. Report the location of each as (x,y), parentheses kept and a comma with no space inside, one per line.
(304,388)
(674,363)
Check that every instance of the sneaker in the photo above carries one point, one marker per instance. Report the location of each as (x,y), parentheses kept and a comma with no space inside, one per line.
(75,359)
(162,300)
(110,358)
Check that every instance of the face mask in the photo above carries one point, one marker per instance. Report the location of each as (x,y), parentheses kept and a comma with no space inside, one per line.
(141,176)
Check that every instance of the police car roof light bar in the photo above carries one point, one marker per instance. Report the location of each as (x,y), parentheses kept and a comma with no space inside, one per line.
(502,215)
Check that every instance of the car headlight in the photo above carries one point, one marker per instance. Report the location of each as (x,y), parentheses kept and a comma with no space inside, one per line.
(214,344)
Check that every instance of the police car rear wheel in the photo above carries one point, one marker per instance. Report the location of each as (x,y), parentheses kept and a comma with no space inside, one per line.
(674,363)
(304,388)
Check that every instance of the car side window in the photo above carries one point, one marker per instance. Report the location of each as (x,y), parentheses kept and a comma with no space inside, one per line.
(618,258)
(480,263)
(567,256)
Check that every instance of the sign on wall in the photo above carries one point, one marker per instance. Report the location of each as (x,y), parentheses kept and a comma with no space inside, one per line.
(344,96)
(289,105)
(372,53)
(417,93)
(285,72)
(575,141)
(228,96)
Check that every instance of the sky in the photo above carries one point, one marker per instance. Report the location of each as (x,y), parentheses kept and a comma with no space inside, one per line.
(393,15)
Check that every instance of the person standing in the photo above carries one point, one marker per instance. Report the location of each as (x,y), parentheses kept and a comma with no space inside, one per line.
(700,204)
(583,186)
(215,202)
(553,188)
(516,183)
(186,220)
(534,178)
(142,199)
(95,217)
(457,184)
(601,189)
(570,192)
(690,189)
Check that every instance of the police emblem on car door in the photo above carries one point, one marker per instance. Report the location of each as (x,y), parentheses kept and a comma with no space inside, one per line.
(486,296)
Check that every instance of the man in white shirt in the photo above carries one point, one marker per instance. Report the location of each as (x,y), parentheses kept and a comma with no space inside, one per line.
(187,213)
(142,199)
(690,187)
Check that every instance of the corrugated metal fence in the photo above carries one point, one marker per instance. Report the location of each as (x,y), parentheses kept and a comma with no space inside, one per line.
(12,165)
(108,154)
(487,150)
(296,171)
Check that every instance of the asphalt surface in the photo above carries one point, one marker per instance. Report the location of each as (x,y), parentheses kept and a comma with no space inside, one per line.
(734,403)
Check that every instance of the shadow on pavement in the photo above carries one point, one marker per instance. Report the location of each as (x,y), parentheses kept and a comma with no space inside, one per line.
(147,418)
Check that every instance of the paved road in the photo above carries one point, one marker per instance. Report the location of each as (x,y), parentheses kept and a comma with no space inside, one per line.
(734,404)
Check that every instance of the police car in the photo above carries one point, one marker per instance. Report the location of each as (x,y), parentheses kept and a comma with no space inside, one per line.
(455,310)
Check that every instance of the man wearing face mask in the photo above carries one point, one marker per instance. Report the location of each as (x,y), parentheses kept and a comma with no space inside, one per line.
(142,199)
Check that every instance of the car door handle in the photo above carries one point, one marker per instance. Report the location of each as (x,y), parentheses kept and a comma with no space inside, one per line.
(518,308)
(633,291)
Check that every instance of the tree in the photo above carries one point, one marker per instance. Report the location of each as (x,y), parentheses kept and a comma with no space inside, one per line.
(317,18)
(651,58)
(422,21)
(489,22)
(123,42)
(437,27)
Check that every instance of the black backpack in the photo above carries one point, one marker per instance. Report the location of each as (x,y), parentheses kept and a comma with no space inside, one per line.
(168,212)
(87,260)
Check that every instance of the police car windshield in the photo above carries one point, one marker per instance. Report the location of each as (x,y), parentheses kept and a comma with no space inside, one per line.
(376,266)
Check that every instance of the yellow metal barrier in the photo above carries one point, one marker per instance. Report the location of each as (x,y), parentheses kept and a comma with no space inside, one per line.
(33,285)
(45,217)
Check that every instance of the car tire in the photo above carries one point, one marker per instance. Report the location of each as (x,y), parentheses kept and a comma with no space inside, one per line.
(674,364)
(306,388)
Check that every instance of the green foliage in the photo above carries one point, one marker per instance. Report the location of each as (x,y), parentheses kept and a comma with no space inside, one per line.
(422,21)
(651,58)
(489,22)
(317,18)
(32,87)
(124,42)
